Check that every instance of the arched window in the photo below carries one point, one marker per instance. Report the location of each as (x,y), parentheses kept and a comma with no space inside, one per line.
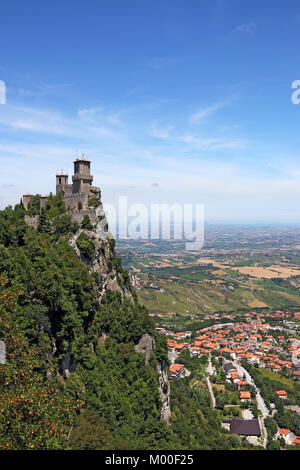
(79,205)
(59,179)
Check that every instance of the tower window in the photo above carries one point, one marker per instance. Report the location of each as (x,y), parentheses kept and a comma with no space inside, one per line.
(79,206)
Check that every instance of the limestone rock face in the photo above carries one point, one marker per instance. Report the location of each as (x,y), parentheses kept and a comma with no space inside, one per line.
(164,391)
(101,262)
(145,346)
(102,265)
(2,353)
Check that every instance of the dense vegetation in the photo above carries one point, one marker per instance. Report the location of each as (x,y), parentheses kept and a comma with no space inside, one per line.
(72,378)
(195,424)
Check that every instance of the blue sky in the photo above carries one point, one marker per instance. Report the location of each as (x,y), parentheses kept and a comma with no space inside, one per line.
(173,101)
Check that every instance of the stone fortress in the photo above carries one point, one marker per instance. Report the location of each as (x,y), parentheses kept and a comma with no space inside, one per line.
(79,197)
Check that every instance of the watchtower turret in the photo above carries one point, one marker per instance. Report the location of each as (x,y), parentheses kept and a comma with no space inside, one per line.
(61,183)
(82,179)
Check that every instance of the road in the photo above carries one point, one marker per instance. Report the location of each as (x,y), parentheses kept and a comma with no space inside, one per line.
(210,369)
(259,400)
(213,400)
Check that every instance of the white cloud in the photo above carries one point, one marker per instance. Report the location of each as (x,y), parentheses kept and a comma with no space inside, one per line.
(88,112)
(203,113)
(50,122)
(248,28)
(160,132)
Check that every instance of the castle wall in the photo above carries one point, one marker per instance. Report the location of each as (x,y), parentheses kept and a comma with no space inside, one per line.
(76,186)
(65,189)
(78,201)
(43,200)
(32,221)
(77,216)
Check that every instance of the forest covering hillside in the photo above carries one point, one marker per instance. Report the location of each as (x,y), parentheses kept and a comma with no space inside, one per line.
(72,377)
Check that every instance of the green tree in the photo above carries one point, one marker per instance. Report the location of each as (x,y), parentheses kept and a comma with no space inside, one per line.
(90,432)
(34,413)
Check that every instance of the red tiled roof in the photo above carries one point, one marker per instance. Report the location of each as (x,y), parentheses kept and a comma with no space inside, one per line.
(284,431)
(176,367)
(244,395)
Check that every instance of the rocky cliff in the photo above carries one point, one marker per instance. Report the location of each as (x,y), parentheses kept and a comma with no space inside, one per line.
(105,266)
(101,260)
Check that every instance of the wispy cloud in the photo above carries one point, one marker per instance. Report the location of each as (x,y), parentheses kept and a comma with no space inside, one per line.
(43,90)
(211,144)
(99,115)
(160,132)
(205,112)
(248,28)
(50,122)
(88,112)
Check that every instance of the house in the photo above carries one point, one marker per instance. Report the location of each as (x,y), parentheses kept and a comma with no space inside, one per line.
(204,351)
(296,375)
(296,441)
(225,350)
(194,351)
(244,396)
(245,427)
(241,383)
(176,371)
(281,394)
(180,347)
(287,435)
(235,377)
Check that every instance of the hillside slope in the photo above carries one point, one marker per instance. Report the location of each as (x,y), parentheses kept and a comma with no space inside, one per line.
(77,339)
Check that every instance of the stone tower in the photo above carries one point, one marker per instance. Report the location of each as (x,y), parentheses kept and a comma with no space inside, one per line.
(62,185)
(27,200)
(82,179)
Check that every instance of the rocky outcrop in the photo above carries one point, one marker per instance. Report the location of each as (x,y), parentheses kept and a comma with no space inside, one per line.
(145,346)
(102,262)
(164,391)
(103,267)
(68,364)
(2,352)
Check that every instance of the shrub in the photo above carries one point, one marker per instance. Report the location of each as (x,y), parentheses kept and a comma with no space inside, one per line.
(86,223)
(86,246)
